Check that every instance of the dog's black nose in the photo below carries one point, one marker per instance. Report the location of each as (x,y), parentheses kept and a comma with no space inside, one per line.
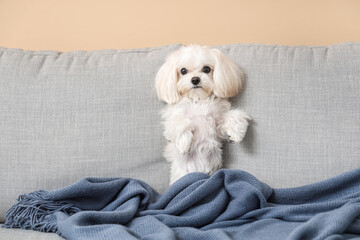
(195,80)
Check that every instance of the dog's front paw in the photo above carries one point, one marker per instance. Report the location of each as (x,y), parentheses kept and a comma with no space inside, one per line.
(183,142)
(236,133)
(236,125)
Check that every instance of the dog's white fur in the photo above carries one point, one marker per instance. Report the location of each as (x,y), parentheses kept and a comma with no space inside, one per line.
(199,116)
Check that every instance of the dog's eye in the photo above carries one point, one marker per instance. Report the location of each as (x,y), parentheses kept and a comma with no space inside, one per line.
(183,71)
(206,69)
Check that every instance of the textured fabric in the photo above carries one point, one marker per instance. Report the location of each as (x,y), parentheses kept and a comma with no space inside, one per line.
(228,205)
(305,106)
(19,234)
(65,116)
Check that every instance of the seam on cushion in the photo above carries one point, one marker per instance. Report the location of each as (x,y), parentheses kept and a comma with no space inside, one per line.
(84,53)
(149,50)
(337,45)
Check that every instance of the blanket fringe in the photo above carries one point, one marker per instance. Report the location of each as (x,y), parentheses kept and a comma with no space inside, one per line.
(34,211)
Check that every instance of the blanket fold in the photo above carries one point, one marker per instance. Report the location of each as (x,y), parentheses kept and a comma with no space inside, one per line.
(231,204)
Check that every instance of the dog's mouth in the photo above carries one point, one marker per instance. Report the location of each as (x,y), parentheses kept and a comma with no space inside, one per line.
(197,92)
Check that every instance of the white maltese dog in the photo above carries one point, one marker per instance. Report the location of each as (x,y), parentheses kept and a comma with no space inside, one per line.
(195,82)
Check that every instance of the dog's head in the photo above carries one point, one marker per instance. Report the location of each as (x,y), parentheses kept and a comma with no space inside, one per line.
(197,72)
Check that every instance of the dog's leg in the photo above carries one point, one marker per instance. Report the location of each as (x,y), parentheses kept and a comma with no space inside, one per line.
(179,131)
(183,141)
(178,170)
(235,124)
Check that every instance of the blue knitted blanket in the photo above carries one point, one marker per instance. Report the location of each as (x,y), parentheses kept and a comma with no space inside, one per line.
(231,204)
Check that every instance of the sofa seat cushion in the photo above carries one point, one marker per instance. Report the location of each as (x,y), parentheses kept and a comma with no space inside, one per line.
(20,234)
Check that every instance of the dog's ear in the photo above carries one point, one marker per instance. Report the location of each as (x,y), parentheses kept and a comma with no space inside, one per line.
(228,77)
(166,80)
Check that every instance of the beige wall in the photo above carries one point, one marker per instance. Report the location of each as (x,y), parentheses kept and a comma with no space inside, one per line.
(97,24)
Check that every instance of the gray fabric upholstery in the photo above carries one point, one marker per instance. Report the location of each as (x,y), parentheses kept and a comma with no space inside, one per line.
(65,116)
(20,234)
(305,102)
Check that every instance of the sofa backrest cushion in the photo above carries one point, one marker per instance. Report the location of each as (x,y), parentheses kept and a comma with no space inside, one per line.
(65,116)
(305,105)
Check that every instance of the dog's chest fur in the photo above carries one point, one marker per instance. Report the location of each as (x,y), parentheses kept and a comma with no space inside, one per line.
(206,116)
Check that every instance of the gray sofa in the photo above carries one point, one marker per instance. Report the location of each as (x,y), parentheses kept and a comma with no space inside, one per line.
(66,116)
